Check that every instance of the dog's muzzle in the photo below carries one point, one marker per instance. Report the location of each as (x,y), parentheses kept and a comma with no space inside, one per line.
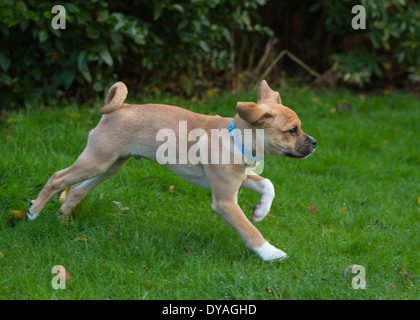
(303,150)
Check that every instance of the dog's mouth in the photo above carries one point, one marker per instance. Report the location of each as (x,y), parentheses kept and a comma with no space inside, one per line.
(301,152)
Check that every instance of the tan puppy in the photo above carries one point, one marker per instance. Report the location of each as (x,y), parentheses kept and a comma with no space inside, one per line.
(136,130)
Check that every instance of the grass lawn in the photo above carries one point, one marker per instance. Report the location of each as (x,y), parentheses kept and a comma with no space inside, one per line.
(354,201)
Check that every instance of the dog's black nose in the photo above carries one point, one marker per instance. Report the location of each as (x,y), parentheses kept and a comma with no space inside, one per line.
(312,142)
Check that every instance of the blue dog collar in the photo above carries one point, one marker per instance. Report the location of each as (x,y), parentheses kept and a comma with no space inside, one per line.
(241,147)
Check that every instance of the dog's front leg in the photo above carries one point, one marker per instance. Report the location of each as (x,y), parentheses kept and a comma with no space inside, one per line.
(265,189)
(224,186)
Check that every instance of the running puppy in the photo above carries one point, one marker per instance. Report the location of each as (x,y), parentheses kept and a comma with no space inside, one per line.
(126,131)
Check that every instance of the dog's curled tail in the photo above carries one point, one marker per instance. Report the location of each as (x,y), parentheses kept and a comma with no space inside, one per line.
(115,98)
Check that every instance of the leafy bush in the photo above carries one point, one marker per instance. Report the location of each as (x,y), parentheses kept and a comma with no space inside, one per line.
(108,40)
(190,46)
(393,34)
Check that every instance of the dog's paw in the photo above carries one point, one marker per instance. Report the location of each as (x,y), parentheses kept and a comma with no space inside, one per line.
(31,215)
(63,215)
(261,210)
(268,252)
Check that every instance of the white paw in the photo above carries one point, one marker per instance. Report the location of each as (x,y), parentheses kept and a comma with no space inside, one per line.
(261,210)
(268,252)
(31,215)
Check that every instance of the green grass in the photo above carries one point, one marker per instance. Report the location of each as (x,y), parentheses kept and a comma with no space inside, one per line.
(173,246)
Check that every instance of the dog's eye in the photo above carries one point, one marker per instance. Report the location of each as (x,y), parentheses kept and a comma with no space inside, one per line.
(292,131)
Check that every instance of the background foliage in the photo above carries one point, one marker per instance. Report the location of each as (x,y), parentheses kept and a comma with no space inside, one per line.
(195,47)
(391,43)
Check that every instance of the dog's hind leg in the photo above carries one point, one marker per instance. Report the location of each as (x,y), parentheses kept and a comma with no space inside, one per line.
(265,189)
(80,190)
(92,162)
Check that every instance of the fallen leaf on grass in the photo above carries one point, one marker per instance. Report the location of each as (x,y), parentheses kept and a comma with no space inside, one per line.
(150,285)
(64,194)
(67,275)
(312,209)
(345,210)
(83,239)
(63,197)
(18,214)
(271,216)
(418,199)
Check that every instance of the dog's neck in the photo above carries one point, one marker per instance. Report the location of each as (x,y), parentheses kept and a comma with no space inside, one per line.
(241,125)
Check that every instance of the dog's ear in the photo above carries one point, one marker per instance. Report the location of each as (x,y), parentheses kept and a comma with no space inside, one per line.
(266,94)
(253,113)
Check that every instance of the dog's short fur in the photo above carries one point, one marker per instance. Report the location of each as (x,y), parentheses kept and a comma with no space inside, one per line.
(130,130)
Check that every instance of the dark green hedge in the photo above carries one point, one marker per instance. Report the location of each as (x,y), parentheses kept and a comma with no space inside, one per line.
(189,46)
(109,40)
(388,48)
